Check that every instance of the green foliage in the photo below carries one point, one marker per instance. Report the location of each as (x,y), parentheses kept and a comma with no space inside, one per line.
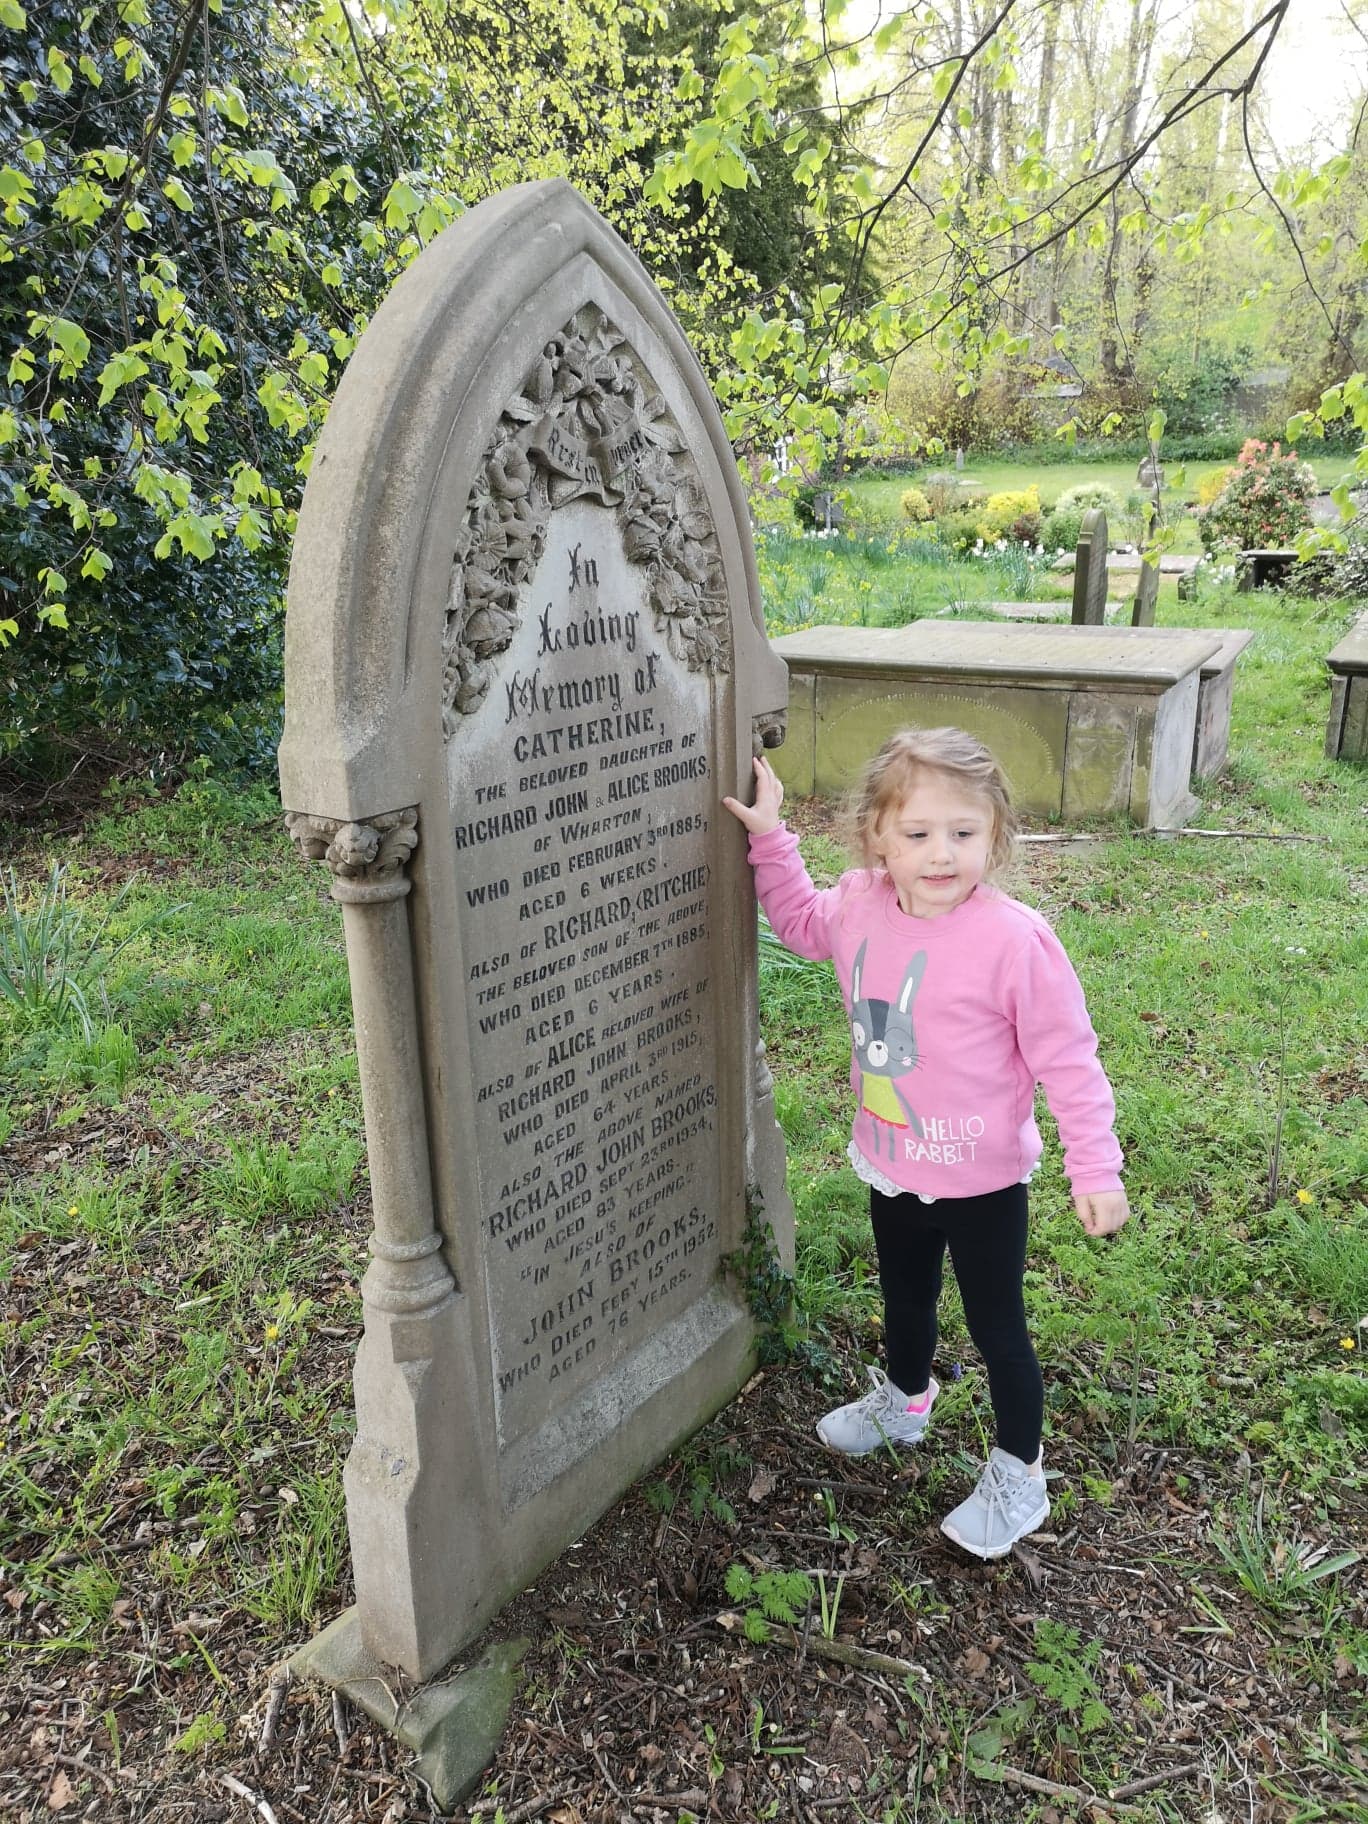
(782,1596)
(1066,1672)
(204,1732)
(959,530)
(156,389)
(1064,525)
(1014,513)
(1265,502)
(1282,1574)
(768,1292)
(914,505)
(53,955)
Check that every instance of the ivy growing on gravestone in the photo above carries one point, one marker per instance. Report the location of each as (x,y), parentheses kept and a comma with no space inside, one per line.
(769,1295)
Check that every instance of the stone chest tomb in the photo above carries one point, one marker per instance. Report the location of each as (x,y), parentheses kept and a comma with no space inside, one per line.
(524,660)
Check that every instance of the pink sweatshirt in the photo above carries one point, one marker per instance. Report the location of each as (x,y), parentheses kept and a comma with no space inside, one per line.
(954,1020)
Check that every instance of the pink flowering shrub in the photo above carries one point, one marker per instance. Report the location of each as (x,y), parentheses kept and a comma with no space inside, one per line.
(1265,502)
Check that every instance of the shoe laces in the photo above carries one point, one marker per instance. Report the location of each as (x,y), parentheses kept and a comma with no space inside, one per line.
(1002,1486)
(882,1397)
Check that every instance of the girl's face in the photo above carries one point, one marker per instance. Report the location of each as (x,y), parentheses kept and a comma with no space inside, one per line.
(935,846)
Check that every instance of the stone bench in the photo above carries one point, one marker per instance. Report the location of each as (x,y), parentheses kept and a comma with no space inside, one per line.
(1087,721)
(1346,737)
(1211,739)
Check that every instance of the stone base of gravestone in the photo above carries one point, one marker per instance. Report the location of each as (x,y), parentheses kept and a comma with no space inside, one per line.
(453,1725)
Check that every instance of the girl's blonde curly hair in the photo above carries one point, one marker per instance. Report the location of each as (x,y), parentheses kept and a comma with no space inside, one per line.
(894,771)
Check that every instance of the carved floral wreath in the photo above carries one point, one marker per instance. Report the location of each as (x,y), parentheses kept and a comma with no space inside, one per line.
(585,391)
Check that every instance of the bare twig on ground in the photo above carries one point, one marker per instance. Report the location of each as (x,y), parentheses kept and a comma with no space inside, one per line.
(530,1807)
(841,1488)
(859,1659)
(1014,1776)
(281,1680)
(339,1721)
(1186,1772)
(254,1799)
(1065,836)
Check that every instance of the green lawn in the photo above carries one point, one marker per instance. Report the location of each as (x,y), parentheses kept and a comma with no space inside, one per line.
(882,495)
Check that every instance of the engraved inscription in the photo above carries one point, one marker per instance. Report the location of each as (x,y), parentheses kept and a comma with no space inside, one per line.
(582,808)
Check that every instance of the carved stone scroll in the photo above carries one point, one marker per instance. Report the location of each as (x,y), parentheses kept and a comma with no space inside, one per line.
(585,424)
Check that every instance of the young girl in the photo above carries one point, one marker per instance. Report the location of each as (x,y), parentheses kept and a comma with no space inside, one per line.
(960,1000)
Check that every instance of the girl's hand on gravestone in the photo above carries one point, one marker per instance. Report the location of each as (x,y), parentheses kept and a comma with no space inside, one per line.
(1102,1212)
(763,815)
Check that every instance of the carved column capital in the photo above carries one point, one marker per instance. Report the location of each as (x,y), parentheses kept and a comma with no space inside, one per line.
(768,730)
(368,858)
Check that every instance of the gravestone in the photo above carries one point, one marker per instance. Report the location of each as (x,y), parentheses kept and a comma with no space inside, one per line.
(1346,735)
(828,515)
(1146,596)
(1090,571)
(1087,722)
(524,660)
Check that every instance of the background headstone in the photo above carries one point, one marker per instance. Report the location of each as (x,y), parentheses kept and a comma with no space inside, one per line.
(1090,571)
(524,659)
(1146,596)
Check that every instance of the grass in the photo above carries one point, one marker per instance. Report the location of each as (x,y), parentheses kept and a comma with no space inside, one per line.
(183,1222)
(886,580)
(882,495)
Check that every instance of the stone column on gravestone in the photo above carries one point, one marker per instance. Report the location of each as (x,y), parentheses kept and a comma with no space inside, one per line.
(407,1293)
(1090,571)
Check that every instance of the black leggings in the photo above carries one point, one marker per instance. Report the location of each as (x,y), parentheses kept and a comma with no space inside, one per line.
(987,1241)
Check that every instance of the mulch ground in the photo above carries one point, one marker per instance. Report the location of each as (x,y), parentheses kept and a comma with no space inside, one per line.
(643,1699)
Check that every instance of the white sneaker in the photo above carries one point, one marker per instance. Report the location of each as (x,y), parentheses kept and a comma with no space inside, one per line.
(883,1416)
(1008,1503)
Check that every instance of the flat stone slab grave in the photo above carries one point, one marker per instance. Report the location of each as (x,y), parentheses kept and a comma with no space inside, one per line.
(1087,721)
(1346,736)
(1215,694)
(524,658)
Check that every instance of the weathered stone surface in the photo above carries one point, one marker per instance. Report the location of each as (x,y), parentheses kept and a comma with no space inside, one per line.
(1215,696)
(1346,736)
(454,1725)
(1081,717)
(1146,596)
(1098,771)
(1025,729)
(524,659)
(1161,797)
(1090,571)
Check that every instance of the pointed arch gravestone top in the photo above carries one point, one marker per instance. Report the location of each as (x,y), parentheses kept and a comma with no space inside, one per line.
(524,659)
(1090,571)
